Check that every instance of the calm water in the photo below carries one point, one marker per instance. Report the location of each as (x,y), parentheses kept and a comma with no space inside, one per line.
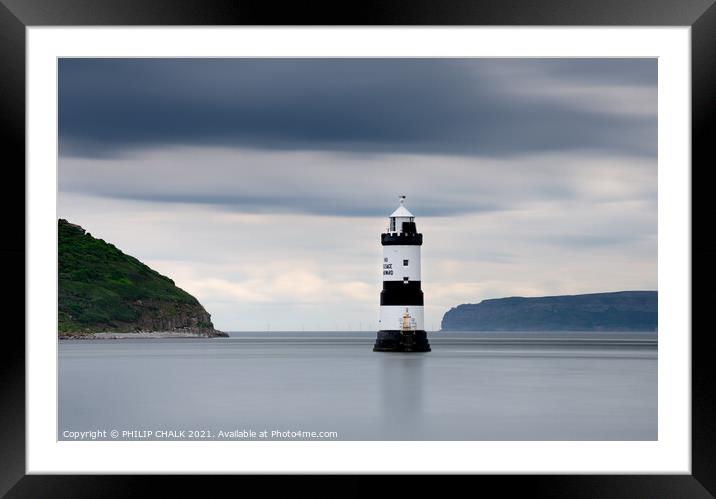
(472,386)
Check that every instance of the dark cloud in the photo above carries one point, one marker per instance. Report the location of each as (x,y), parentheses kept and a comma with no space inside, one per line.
(492,107)
(332,206)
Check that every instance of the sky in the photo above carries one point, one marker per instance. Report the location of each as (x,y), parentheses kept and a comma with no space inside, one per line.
(261,186)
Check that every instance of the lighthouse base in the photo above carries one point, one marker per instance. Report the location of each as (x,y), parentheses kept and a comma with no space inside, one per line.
(397,341)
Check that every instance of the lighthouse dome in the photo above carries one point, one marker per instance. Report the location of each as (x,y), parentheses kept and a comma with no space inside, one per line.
(402,211)
(401,216)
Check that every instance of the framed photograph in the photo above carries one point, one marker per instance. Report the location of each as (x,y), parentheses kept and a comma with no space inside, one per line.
(456,243)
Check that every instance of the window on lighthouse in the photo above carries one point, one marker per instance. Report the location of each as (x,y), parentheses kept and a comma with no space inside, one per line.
(405,263)
(405,280)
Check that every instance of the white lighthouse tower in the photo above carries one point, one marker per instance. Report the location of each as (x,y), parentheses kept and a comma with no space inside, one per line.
(401,301)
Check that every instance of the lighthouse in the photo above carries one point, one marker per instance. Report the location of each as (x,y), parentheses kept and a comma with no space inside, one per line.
(401,320)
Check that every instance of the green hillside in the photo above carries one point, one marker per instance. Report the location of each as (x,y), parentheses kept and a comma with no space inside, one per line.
(103,289)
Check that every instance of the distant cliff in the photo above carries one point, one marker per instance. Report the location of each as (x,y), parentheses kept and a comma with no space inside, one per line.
(621,311)
(101,289)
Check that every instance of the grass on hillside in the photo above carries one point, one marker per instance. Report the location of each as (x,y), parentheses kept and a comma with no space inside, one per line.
(99,285)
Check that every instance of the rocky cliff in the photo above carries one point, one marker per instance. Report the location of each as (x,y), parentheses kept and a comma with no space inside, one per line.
(101,289)
(620,311)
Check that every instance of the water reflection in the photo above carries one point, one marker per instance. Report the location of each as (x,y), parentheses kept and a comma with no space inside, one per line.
(402,394)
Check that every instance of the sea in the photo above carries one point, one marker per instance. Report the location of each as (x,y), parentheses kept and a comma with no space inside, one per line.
(332,386)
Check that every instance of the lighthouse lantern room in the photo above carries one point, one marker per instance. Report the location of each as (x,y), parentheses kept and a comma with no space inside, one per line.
(401,300)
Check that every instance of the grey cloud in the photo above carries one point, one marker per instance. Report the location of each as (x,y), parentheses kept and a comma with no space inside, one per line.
(435,106)
(586,241)
(337,185)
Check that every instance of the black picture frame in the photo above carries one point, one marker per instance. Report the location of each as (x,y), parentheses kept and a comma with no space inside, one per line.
(16,15)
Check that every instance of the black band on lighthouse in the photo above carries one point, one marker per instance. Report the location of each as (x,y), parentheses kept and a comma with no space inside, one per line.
(401,239)
(400,293)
